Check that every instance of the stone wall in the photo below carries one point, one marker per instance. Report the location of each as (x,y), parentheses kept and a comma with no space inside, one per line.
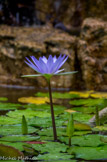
(87,54)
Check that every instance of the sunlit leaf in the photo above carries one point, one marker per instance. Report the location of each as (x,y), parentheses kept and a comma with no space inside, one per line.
(70,111)
(34,100)
(99,95)
(84,94)
(19,138)
(82,126)
(65,95)
(3,99)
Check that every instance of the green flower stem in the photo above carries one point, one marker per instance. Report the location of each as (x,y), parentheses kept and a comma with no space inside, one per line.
(52,112)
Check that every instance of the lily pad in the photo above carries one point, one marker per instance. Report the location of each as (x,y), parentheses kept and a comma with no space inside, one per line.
(55,156)
(9,106)
(9,151)
(89,153)
(44,122)
(50,147)
(19,138)
(86,140)
(14,130)
(100,128)
(17,145)
(99,95)
(34,100)
(58,109)
(80,117)
(3,99)
(88,102)
(87,110)
(82,126)
(4,120)
(84,94)
(58,95)
(60,132)
(28,113)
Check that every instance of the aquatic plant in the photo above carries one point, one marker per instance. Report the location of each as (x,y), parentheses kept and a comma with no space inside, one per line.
(47,68)
(70,128)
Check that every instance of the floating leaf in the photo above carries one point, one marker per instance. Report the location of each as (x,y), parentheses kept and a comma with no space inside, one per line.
(19,138)
(86,110)
(103,139)
(86,140)
(88,102)
(80,133)
(55,157)
(70,111)
(9,151)
(14,130)
(60,132)
(9,106)
(100,128)
(17,145)
(45,122)
(3,99)
(29,113)
(99,95)
(58,95)
(82,126)
(4,120)
(34,100)
(84,94)
(50,147)
(89,153)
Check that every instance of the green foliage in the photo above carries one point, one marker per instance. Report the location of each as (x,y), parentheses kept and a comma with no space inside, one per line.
(24,126)
(88,102)
(85,145)
(86,140)
(58,95)
(70,126)
(3,99)
(14,130)
(9,151)
(89,153)
(9,106)
(19,138)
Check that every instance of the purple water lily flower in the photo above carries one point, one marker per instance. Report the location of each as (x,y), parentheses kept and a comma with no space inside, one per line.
(47,66)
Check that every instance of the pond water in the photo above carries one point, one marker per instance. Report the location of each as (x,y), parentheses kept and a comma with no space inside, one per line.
(36,143)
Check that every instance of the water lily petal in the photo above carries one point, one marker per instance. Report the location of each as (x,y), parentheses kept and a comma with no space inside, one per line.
(29,63)
(44,59)
(36,62)
(43,66)
(49,63)
(57,63)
